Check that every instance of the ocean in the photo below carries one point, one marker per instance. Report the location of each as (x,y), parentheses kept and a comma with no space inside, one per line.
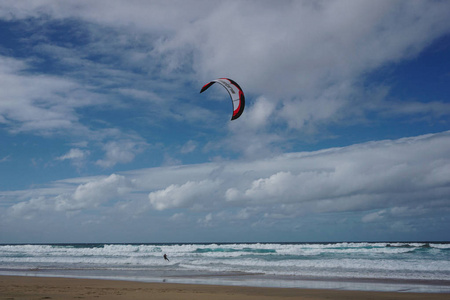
(393,266)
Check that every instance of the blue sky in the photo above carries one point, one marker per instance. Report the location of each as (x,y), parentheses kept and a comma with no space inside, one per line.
(105,137)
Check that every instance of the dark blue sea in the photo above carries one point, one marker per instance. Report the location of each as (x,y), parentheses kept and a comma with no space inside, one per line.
(393,266)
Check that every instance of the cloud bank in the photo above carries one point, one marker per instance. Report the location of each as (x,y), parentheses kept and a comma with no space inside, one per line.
(398,182)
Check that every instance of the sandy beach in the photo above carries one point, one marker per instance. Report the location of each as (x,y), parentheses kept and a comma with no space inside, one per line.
(17,287)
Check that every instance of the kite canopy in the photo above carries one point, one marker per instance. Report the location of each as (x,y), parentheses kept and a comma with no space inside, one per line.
(236,94)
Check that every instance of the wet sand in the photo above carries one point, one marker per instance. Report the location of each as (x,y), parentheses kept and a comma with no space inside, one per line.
(17,287)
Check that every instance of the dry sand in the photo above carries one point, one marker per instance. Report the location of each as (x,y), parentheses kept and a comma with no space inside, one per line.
(30,288)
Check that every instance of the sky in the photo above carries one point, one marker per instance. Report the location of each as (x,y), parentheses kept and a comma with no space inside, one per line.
(104,136)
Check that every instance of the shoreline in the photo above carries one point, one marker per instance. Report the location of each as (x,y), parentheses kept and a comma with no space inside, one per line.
(28,287)
(245,280)
(410,267)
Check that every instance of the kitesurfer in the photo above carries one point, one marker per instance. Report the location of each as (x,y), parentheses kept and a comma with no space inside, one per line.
(165,257)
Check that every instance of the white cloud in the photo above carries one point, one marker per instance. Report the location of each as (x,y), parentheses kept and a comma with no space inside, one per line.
(122,151)
(102,190)
(372,217)
(36,103)
(373,175)
(206,221)
(76,156)
(31,208)
(177,217)
(376,175)
(74,153)
(142,95)
(89,195)
(188,194)
(189,147)
(405,211)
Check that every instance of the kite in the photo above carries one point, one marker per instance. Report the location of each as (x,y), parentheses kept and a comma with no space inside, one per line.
(236,94)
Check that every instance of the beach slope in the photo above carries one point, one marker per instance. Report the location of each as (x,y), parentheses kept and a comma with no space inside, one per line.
(16,287)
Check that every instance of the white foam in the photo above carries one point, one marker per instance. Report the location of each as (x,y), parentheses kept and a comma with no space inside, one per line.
(363,260)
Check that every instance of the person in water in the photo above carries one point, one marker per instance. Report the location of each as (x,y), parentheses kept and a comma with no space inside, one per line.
(165,257)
